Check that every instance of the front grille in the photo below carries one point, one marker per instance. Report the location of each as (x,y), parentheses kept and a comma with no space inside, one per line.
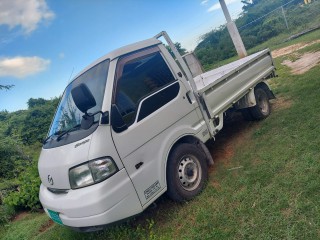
(58,191)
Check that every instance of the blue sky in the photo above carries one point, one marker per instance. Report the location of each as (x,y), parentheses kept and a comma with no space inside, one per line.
(44,42)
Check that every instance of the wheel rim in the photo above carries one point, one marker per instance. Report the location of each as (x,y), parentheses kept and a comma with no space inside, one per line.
(263,103)
(189,172)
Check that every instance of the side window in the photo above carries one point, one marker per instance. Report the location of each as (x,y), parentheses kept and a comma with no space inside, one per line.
(138,76)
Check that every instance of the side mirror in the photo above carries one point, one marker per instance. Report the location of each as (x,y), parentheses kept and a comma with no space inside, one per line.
(118,125)
(83,98)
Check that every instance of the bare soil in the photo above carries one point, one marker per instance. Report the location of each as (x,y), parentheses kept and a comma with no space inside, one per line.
(235,133)
(281,103)
(304,63)
(292,48)
(19,216)
(46,226)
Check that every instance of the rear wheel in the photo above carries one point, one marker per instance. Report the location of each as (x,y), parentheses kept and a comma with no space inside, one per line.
(261,110)
(187,172)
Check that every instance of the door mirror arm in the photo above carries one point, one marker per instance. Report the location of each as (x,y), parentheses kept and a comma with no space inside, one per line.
(88,119)
(117,122)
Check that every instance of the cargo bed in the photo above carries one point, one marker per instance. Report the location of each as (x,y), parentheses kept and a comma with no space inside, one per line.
(222,87)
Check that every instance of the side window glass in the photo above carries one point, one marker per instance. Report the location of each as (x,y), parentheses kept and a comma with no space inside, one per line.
(138,77)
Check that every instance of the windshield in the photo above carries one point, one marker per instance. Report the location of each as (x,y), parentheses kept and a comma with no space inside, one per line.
(68,116)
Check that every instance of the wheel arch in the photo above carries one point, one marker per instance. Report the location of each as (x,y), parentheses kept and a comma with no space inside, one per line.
(265,86)
(197,142)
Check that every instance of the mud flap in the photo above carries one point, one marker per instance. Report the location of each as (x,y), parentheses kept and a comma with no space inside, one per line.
(207,153)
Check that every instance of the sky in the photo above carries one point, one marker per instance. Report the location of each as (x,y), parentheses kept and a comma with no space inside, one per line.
(44,43)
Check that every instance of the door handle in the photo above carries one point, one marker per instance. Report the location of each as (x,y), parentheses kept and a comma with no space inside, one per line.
(188,97)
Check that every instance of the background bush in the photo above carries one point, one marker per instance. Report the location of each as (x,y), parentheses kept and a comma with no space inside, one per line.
(6,213)
(27,194)
(21,134)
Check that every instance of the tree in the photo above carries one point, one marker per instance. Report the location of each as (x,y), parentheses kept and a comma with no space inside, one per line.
(6,87)
(180,49)
(37,119)
(259,21)
(29,126)
(250,4)
(12,158)
(32,102)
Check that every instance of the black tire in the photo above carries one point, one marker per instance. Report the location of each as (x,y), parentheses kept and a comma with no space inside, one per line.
(187,172)
(262,109)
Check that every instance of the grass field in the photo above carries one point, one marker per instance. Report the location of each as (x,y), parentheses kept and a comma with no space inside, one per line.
(264,184)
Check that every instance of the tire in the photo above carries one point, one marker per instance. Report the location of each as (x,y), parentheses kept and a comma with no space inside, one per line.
(262,109)
(187,172)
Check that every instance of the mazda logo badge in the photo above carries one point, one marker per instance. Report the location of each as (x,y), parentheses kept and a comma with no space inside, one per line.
(50,180)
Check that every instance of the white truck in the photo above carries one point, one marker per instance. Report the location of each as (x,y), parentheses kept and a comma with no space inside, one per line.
(132,126)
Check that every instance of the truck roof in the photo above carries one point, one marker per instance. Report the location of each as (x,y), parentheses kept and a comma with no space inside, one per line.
(122,51)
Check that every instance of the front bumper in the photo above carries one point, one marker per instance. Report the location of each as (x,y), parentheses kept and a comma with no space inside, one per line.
(109,201)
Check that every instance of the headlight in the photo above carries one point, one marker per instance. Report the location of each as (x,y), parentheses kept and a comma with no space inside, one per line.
(92,172)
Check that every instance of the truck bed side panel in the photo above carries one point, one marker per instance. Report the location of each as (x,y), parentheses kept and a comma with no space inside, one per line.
(220,95)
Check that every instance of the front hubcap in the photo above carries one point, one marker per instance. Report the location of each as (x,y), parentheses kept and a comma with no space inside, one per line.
(189,172)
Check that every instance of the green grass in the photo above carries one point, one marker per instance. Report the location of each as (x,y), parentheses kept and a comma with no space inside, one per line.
(278,42)
(275,195)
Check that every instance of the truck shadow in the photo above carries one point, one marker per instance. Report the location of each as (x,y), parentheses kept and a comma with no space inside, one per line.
(235,132)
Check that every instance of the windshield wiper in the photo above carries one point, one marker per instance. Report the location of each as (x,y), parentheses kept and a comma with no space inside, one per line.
(46,139)
(67,131)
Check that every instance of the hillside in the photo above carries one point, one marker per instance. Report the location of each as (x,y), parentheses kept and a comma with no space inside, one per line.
(260,21)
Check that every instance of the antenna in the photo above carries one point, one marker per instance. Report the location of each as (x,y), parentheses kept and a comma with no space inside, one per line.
(71,74)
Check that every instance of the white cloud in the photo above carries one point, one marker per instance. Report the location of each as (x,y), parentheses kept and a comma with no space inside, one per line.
(21,67)
(25,13)
(204,2)
(61,55)
(218,6)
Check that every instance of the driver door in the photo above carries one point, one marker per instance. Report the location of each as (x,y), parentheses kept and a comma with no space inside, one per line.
(150,100)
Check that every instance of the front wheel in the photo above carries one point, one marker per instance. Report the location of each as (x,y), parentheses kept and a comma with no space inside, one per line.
(187,172)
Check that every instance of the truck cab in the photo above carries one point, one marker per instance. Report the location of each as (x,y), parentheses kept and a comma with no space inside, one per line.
(105,157)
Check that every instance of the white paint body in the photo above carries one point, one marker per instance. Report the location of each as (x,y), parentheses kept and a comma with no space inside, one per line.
(148,141)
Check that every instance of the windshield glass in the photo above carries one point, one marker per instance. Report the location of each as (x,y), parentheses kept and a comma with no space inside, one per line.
(68,115)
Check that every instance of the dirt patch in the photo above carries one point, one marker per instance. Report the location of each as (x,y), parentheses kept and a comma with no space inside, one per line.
(304,63)
(292,48)
(215,184)
(235,133)
(19,216)
(281,103)
(224,153)
(46,226)
(286,212)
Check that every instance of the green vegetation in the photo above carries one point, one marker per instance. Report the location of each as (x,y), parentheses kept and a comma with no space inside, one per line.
(217,44)
(272,44)
(264,184)
(27,196)
(180,49)
(21,133)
